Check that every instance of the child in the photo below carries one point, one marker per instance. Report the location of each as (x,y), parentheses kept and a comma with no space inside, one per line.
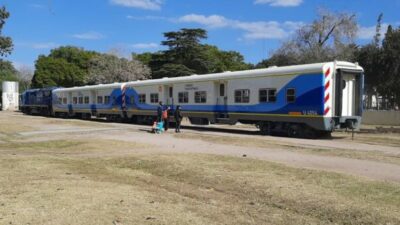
(158,127)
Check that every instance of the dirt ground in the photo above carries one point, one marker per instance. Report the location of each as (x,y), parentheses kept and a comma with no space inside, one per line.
(58,171)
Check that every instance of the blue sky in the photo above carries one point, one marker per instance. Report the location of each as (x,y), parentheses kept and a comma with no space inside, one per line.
(253,27)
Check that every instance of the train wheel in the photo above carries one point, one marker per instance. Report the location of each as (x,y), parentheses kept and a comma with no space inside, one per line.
(294,131)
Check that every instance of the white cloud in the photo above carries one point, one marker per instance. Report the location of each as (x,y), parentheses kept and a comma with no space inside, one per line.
(282,3)
(210,21)
(91,35)
(145,45)
(146,17)
(45,45)
(253,30)
(369,32)
(142,4)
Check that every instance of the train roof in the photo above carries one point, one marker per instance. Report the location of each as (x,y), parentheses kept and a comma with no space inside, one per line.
(274,70)
(306,68)
(90,87)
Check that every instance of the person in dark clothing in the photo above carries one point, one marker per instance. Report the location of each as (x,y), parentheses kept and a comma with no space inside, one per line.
(178,119)
(159,112)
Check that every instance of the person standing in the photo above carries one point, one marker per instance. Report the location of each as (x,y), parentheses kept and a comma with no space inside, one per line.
(178,119)
(159,112)
(165,118)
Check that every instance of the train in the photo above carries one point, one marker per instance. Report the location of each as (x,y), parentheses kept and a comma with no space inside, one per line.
(301,100)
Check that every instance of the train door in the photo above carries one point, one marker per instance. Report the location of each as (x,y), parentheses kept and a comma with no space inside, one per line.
(222,100)
(169,95)
(348,94)
(222,97)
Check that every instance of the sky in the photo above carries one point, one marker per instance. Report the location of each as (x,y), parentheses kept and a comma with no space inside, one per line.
(255,28)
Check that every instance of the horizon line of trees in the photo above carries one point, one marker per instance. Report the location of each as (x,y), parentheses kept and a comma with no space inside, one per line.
(331,36)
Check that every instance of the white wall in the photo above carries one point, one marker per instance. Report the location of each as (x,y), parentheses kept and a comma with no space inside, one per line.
(10,96)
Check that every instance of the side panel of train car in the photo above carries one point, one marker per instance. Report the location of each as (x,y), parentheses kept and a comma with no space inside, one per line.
(37,101)
(87,101)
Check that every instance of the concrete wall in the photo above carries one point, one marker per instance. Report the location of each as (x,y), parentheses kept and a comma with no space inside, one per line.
(381,118)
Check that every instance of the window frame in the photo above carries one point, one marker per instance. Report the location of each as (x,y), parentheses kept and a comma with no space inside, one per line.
(183,97)
(200,97)
(242,96)
(106,100)
(292,95)
(154,99)
(101,101)
(267,96)
(142,98)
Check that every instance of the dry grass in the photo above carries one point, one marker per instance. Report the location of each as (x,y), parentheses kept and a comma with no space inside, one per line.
(388,139)
(267,144)
(91,181)
(185,189)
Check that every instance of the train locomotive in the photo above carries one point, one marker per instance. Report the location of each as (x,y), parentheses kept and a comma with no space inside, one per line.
(300,101)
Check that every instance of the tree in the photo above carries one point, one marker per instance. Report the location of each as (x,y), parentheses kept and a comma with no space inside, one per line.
(24,77)
(220,61)
(6,45)
(370,57)
(329,37)
(65,66)
(186,55)
(107,68)
(391,66)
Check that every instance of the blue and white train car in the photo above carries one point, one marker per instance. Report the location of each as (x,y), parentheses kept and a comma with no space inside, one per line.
(102,100)
(301,100)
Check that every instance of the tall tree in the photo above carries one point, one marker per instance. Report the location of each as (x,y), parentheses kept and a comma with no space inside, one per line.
(329,37)
(391,66)
(107,68)
(65,66)
(6,45)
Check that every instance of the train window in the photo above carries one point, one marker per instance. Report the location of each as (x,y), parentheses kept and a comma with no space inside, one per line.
(154,98)
(59,100)
(183,97)
(99,99)
(267,95)
(64,100)
(171,92)
(200,97)
(242,96)
(142,98)
(86,99)
(131,100)
(221,90)
(290,95)
(80,100)
(106,99)
(75,100)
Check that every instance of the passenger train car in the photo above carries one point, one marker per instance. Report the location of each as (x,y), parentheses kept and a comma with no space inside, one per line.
(300,101)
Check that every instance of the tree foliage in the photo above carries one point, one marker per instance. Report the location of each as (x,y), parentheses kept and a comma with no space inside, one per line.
(6,45)
(329,37)
(381,63)
(187,55)
(65,66)
(107,68)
